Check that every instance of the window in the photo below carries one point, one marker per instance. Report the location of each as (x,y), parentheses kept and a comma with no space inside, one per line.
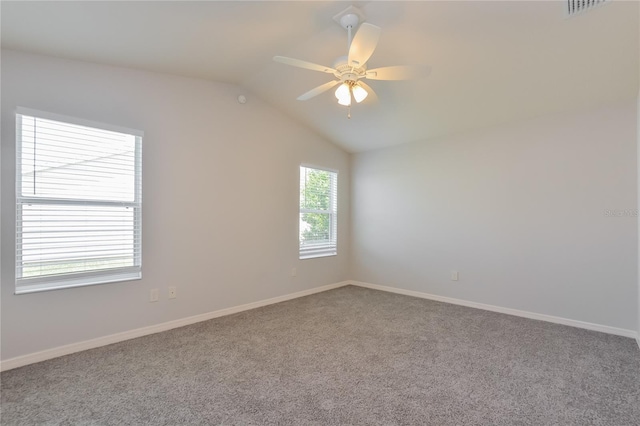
(78,203)
(318,212)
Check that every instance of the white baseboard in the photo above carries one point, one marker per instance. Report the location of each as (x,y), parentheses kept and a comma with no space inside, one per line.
(531,315)
(144,331)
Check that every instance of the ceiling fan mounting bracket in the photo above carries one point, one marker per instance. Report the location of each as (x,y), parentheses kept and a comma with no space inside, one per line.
(350,17)
(349,21)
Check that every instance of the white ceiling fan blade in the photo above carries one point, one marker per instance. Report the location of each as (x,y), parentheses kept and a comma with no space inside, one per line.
(303,64)
(363,44)
(399,72)
(315,92)
(372,97)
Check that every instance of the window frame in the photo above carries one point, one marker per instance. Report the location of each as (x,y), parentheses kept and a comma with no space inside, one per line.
(326,249)
(86,278)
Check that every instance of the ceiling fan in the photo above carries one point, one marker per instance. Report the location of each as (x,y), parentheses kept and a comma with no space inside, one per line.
(350,70)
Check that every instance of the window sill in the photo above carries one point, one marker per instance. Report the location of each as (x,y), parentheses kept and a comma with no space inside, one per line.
(27,286)
(313,256)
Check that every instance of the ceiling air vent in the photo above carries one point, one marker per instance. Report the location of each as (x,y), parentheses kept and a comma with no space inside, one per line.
(575,7)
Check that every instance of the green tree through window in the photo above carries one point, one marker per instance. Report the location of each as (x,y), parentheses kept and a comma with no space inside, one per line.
(317,212)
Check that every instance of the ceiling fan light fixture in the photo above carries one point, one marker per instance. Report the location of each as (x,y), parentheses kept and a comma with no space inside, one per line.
(359,93)
(345,102)
(343,94)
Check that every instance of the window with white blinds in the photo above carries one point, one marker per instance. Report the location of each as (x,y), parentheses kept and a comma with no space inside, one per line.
(78,202)
(318,227)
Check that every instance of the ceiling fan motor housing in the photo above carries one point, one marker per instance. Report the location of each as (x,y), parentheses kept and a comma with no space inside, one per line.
(346,72)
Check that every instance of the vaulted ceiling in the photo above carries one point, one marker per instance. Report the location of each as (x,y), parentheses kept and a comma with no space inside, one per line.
(492,61)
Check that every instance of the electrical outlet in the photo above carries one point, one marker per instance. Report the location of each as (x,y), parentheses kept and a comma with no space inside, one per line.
(454,275)
(172,293)
(294,272)
(154,295)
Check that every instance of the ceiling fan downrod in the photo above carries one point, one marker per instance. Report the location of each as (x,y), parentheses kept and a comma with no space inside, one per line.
(349,22)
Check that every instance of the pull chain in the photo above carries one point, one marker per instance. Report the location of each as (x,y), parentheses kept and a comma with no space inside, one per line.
(349,112)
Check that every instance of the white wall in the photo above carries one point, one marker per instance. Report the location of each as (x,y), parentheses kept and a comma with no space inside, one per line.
(638,186)
(518,210)
(220,194)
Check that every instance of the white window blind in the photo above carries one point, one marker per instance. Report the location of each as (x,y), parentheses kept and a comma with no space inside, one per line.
(78,206)
(318,228)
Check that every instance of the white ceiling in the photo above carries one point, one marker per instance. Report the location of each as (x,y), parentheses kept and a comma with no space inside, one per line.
(492,62)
